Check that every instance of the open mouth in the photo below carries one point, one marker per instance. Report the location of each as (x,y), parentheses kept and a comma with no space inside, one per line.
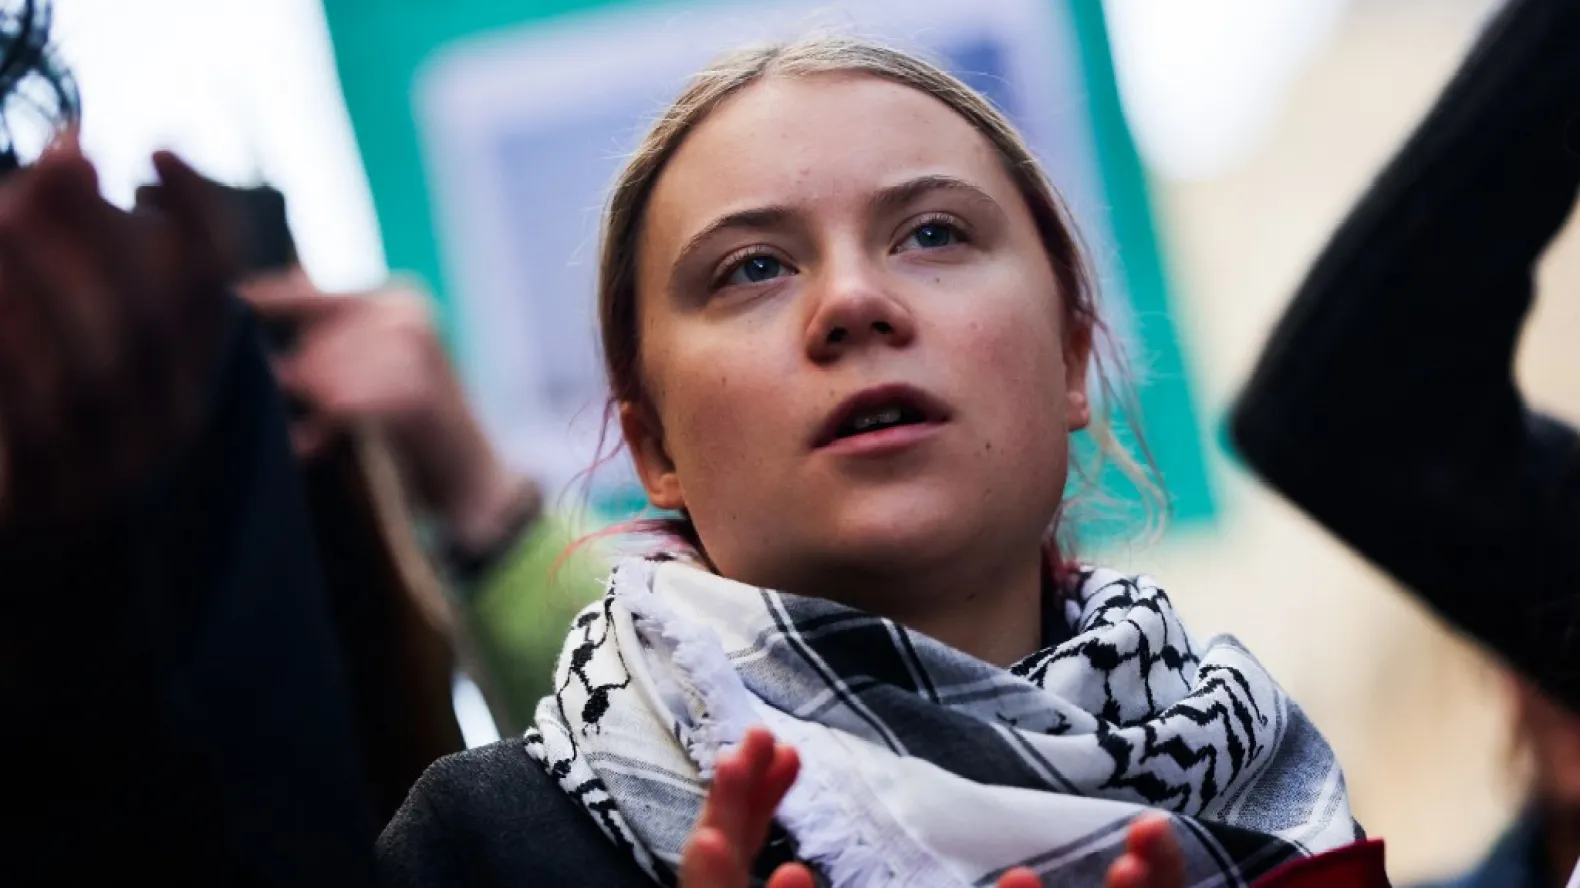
(879,419)
(880,409)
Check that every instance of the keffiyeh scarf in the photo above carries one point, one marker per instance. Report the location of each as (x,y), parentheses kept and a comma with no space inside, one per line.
(921,765)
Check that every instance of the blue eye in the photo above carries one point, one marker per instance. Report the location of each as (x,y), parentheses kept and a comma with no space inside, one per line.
(932,235)
(755,270)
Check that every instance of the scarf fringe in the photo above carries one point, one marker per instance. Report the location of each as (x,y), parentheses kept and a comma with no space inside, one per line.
(812,811)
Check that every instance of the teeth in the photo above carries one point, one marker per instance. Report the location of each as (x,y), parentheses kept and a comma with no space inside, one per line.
(889,416)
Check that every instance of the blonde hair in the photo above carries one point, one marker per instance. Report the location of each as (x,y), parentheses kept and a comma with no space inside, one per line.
(727,76)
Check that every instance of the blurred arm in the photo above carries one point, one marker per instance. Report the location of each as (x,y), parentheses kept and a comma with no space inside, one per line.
(1385,404)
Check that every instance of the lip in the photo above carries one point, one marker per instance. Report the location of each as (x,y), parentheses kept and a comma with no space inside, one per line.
(934,412)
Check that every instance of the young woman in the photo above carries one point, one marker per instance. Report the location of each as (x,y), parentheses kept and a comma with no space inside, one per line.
(848,332)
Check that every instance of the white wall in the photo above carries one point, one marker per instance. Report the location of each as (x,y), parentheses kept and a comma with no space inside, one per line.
(244,89)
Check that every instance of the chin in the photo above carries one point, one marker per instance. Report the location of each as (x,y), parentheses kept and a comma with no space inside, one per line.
(899,528)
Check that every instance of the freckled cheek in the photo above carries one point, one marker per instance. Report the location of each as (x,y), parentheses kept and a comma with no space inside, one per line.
(1017,384)
(723,415)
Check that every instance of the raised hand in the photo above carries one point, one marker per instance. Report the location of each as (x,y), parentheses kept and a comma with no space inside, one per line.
(748,784)
(750,781)
(376,360)
(109,326)
(1152,857)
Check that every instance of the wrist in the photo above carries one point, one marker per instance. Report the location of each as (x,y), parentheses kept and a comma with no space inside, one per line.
(494,510)
(456,473)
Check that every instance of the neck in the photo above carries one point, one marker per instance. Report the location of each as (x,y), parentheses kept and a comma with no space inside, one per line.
(993,614)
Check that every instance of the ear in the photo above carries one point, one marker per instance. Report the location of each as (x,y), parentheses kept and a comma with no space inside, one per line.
(1077,361)
(656,470)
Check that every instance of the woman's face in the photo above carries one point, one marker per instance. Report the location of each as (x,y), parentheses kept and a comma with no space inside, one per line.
(851,339)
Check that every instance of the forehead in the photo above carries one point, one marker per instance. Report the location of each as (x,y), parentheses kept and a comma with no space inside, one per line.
(815,139)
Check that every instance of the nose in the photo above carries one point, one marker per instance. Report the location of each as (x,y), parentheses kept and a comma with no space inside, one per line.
(854,313)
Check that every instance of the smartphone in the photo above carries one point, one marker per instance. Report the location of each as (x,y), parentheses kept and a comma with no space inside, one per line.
(264,240)
(266,246)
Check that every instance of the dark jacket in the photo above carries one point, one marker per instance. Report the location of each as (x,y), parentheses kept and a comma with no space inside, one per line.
(1385,404)
(493,816)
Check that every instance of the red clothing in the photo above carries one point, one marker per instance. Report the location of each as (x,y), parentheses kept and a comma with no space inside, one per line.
(1353,866)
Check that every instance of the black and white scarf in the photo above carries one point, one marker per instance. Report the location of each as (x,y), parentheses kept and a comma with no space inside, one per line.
(921,765)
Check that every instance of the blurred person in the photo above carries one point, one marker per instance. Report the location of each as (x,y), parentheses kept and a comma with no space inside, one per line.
(120,473)
(392,623)
(847,331)
(374,363)
(173,681)
(1540,849)
(140,486)
(173,698)
(1385,404)
(388,440)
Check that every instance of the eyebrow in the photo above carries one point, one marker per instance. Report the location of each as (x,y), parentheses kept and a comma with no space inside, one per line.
(895,197)
(888,199)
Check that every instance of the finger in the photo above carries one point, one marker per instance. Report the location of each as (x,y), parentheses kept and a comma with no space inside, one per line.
(404,285)
(778,776)
(289,296)
(709,862)
(737,774)
(727,807)
(1151,840)
(783,766)
(1020,877)
(322,376)
(792,875)
(312,435)
(1127,872)
(757,753)
(320,380)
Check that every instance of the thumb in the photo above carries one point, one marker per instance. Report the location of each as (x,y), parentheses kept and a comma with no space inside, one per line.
(1152,858)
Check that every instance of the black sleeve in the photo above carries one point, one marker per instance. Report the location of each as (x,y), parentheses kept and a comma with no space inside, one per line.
(415,851)
(171,697)
(1385,404)
(491,816)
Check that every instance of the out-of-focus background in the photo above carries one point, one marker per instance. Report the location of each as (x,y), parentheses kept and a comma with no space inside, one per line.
(1208,148)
